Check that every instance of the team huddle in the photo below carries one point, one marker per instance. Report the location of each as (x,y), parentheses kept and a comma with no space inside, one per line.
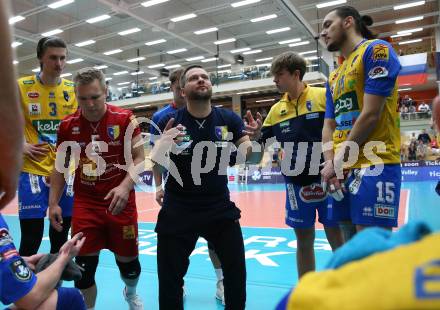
(83,158)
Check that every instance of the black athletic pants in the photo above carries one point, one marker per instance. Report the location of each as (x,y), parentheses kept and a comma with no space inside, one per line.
(173,251)
(32,234)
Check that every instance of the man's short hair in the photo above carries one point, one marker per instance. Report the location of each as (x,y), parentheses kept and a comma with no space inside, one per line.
(87,75)
(290,61)
(183,76)
(175,76)
(47,42)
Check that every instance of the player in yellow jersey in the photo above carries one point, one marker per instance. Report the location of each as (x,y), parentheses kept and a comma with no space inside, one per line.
(46,99)
(361,112)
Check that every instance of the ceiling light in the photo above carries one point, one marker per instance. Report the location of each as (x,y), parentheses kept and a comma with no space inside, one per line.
(129,31)
(407,20)
(264,59)
(209,59)
(410,41)
(408,5)
(85,43)
(180,50)
(97,19)
(15,62)
(401,35)
(299,43)
(16,19)
(137,73)
(120,73)
(136,59)
(224,66)
(405,89)
(65,74)
(410,30)
(312,58)
(153,78)
(267,100)
(183,17)
(225,41)
(244,2)
(155,42)
(308,52)
(59,4)
(330,3)
(247,92)
(278,30)
(252,52)
(224,71)
(74,61)
(153,2)
(36,69)
(260,19)
(156,66)
(121,88)
(268,64)
(173,66)
(123,83)
(212,29)
(312,66)
(108,79)
(112,52)
(290,41)
(15,44)
(244,49)
(100,67)
(51,32)
(195,58)
(234,76)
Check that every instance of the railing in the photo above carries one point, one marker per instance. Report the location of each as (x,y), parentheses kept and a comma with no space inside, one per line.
(259,71)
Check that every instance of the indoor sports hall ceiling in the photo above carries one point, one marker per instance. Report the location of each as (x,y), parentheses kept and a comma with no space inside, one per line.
(163,34)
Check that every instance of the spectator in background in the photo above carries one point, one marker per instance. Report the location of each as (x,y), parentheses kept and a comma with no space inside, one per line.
(424,107)
(424,137)
(422,150)
(407,101)
(412,150)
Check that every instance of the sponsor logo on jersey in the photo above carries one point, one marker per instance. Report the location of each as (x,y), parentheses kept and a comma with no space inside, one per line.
(51,95)
(75,130)
(381,52)
(284,124)
(128,232)
(383,211)
(66,95)
(33,95)
(377,73)
(34,108)
(46,126)
(346,103)
(20,270)
(221,132)
(28,82)
(9,254)
(283,112)
(5,238)
(351,84)
(312,115)
(309,105)
(113,131)
(69,83)
(312,193)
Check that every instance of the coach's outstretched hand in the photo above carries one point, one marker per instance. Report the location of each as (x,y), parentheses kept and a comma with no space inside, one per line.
(253,126)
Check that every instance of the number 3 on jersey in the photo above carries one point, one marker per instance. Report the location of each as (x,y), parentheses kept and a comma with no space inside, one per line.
(385,192)
(53,107)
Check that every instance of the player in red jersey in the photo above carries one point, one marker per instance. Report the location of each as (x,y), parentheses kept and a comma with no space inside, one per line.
(104,203)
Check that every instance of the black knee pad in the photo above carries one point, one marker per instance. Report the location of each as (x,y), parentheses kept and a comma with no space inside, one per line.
(130,270)
(89,264)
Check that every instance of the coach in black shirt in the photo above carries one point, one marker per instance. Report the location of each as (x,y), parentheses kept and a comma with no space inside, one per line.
(196,201)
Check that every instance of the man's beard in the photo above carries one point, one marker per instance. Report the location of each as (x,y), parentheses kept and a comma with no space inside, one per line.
(336,45)
(198,95)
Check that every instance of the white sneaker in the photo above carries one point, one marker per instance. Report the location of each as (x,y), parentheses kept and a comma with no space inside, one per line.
(134,301)
(220,292)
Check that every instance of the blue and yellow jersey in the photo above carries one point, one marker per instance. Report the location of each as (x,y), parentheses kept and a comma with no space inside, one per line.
(44,106)
(407,277)
(296,121)
(372,68)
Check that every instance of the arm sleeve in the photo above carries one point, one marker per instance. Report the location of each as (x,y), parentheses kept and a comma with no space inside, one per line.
(329,105)
(381,68)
